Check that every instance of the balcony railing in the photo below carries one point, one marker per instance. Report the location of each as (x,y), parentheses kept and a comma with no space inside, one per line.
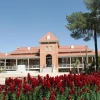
(69,66)
(8,68)
(14,68)
(33,67)
(64,65)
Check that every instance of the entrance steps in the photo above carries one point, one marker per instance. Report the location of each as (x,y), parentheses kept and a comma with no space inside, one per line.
(47,70)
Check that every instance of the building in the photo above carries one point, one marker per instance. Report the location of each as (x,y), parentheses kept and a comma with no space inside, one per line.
(50,54)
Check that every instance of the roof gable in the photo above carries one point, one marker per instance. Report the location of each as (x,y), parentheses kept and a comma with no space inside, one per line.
(49,37)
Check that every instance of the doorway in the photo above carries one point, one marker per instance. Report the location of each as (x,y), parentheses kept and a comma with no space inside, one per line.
(48,60)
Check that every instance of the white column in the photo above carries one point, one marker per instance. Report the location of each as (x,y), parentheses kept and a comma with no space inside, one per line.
(28,64)
(16,64)
(5,64)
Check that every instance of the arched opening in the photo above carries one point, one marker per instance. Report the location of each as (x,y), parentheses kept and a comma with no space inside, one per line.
(49,60)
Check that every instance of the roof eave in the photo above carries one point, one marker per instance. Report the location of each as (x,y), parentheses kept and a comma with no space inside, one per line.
(33,57)
(44,41)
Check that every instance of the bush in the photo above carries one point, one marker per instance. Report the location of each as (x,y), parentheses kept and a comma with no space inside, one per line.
(64,87)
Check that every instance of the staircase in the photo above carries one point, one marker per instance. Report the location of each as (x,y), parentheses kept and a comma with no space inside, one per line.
(47,70)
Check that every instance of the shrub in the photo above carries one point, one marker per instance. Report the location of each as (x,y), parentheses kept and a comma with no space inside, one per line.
(64,87)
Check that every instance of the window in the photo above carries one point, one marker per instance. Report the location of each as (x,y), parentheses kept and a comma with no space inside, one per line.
(46,48)
(62,60)
(48,37)
(50,48)
(73,60)
(66,60)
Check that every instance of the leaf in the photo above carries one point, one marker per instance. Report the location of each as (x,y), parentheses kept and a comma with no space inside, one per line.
(35,92)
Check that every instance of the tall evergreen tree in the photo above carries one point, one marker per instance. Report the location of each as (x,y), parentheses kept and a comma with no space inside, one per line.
(83,25)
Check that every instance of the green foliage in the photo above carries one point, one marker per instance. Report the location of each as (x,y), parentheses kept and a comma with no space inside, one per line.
(77,19)
(46,94)
(76,65)
(81,24)
(91,4)
(66,92)
(22,97)
(77,62)
(87,97)
(1,96)
(60,96)
(36,94)
(2,70)
(6,97)
(98,95)
(12,96)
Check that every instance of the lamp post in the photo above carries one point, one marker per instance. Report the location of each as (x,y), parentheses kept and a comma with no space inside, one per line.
(96,19)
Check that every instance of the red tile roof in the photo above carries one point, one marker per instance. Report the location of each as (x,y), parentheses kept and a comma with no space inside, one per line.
(73,49)
(75,46)
(18,56)
(92,53)
(23,50)
(2,54)
(98,52)
(75,54)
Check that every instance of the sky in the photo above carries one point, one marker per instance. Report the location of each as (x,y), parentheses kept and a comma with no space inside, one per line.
(24,22)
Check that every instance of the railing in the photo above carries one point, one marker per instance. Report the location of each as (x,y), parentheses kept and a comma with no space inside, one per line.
(33,67)
(69,66)
(64,65)
(7,68)
(14,68)
(11,67)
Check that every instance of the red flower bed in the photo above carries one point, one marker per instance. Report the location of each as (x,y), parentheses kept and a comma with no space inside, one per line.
(64,87)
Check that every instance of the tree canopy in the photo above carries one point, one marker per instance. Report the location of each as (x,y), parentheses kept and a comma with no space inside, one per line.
(81,24)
